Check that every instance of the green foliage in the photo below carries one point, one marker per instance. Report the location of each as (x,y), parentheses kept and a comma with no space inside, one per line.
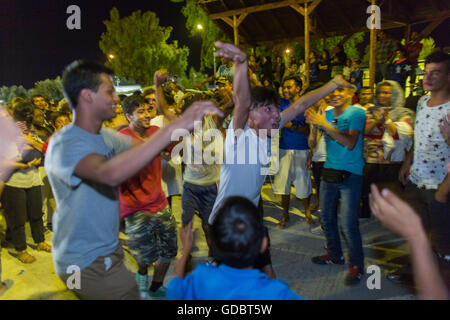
(8,93)
(350,46)
(48,87)
(139,45)
(193,79)
(209,34)
(428,47)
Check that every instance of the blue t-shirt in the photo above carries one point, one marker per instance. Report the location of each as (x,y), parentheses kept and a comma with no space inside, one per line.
(338,156)
(86,222)
(291,139)
(209,282)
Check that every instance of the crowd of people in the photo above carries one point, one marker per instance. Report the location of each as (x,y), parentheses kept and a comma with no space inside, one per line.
(96,162)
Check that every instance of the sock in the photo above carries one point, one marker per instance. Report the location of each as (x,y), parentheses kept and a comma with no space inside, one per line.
(155,286)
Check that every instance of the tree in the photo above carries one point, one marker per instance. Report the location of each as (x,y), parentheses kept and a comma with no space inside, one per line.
(209,33)
(8,93)
(137,46)
(193,79)
(51,88)
(350,46)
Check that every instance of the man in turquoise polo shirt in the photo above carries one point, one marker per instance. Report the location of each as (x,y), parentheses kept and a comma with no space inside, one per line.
(342,179)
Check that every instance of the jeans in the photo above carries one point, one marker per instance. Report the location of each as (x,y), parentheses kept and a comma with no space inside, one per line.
(349,193)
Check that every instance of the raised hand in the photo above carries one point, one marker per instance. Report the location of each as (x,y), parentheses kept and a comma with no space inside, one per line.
(160,76)
(230,51)
(316,118)
(394,213)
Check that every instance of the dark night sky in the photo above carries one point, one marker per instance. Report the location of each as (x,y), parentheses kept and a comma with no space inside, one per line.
(35,43)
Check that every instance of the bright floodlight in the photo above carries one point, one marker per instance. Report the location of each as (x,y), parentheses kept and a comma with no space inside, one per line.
(199,27)
(288,51)
(111,56)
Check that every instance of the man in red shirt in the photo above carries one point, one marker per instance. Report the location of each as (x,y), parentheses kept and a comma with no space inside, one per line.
(149,222)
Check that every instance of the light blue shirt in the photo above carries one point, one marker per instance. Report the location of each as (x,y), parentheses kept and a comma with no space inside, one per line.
(209,282)
(86,222)
(340,157)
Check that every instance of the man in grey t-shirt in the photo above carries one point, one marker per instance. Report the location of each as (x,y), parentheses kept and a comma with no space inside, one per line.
(85,164)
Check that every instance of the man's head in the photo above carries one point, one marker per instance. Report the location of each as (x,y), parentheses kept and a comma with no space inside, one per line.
(341,97)
(400,53)
(437,72)
(414,36)
(150,96)
(90,84)
(24,111)
(365,96)
(39,117)
(224,83)
(264,110)
(382,35)
(292,86)
(138,112)
(40,102)
(59,120)
(356,64)
(384,94)
(237,233)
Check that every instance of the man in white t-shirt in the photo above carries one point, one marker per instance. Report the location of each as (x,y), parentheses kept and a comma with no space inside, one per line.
(426,180)
(256,119)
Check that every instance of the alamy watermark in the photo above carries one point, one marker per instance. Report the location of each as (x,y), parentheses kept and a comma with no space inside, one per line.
(74,20)
(374,280)
(374,21)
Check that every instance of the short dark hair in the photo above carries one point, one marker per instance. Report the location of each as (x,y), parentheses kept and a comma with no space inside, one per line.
(439,57)
(148,91)
(237,233)
(297,80)
(133,102)
(81,75)
(24,111)
(262,96)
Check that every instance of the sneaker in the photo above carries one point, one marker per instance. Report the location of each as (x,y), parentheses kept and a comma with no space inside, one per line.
(142,283)
(354,275)
(327,259)
(317,230)
(159,294)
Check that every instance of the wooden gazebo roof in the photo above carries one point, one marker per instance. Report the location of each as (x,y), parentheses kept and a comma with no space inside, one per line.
(265,22)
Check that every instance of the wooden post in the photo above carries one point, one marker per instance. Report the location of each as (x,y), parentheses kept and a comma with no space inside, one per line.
(236,31)
(306,43)
(373,46)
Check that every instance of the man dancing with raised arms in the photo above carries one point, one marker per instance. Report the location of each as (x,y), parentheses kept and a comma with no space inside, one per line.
(85,164)
(256,114)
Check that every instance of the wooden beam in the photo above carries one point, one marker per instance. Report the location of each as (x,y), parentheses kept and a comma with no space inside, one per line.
(373,46)
(433,25)
(257,8)
(307,66)
(313,5)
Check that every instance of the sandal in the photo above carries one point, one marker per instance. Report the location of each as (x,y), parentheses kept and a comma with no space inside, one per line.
(25,257)
(42,246)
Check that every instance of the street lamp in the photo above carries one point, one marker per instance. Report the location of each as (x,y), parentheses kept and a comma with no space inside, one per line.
(288,51)
(111,56)
(199,27)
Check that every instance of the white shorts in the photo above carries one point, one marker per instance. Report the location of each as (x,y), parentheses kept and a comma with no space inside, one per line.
(293,170)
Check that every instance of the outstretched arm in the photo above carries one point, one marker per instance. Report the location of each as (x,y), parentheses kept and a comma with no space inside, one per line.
(126,164)
(312,97)
(187,241)
(241,86)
